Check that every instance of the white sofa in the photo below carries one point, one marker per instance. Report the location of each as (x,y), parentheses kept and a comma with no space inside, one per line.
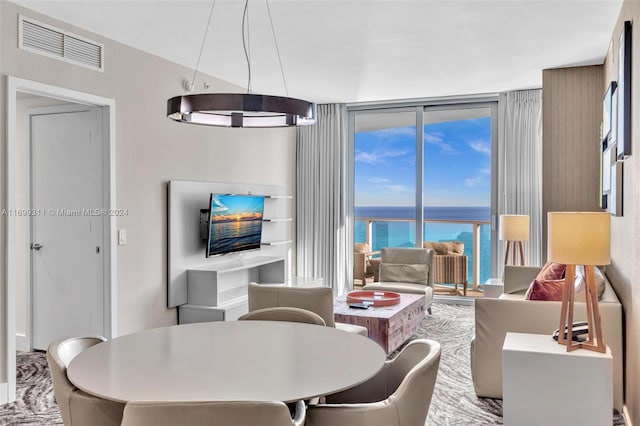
(512,313)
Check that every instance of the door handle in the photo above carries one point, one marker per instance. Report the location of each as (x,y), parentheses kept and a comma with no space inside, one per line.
(36,246)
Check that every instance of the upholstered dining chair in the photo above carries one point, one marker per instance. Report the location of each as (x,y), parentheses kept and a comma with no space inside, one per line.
(284,314)
(77,407)
(406,270)
(314,299)
(399,395)
(218,413)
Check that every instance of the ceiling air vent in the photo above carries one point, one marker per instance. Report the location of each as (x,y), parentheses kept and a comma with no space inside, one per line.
(41,38)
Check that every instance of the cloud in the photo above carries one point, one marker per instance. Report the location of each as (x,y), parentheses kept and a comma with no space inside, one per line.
(378,180)
(436,139)
(475,181)
(481,178)
(397,131)
(397,188)
(378,156)
(383,184)
(481,146)
(366,157)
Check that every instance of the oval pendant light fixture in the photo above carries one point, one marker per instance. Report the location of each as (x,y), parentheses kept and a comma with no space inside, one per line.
(241,109)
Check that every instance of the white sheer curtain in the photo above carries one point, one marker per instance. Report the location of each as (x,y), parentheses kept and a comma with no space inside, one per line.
(322,228)
(520,165)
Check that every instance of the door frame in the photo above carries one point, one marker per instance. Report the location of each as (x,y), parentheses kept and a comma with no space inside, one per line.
(16,172)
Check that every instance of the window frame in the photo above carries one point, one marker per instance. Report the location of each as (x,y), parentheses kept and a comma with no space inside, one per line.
(421,107)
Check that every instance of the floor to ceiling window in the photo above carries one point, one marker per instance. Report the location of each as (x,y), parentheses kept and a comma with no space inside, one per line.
(431,185)
(385,170)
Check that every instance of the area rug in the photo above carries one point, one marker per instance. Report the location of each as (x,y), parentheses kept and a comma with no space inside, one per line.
(34,394)
(454,401)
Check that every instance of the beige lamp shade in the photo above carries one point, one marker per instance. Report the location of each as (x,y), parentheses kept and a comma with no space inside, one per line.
(514,227)
(579,238)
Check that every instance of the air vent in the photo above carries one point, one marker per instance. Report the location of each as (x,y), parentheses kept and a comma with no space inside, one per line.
(41,38)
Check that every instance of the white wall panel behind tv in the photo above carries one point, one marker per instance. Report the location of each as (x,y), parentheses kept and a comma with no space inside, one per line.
(186,250)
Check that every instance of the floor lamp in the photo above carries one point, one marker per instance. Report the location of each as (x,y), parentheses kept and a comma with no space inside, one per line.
(514,228)
(580,238)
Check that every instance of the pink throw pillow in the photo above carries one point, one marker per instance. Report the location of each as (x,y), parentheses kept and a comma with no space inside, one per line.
(552,271)
(545,290)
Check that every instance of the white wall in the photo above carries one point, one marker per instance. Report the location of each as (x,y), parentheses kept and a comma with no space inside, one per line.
(151,150)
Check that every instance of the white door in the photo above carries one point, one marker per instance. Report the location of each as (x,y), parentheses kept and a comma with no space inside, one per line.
(67,226)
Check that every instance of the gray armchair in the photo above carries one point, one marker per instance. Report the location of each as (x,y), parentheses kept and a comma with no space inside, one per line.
(283,314)
(399,395)
(315,299)
(217,413)
(77,407)
(406,270)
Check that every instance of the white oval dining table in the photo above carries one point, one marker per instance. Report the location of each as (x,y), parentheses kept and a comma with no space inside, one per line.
(226,361)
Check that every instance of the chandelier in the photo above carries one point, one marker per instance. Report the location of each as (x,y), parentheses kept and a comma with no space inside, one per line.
(240,109)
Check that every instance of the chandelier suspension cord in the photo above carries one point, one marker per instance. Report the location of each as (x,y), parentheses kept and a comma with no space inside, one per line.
(275,40)
(245,42)
(204,39)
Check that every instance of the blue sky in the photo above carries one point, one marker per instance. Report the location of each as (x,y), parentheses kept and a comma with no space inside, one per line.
(457,165)
(236,204)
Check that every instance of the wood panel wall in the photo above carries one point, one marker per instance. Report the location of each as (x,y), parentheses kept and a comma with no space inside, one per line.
(571,117)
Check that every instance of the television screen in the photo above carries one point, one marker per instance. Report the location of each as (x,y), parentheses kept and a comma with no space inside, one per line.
(235,223)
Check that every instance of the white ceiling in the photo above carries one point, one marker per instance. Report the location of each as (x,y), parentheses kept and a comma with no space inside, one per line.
(361,50)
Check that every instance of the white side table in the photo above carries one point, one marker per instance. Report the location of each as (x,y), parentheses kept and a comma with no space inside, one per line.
(493,288)
(543,384)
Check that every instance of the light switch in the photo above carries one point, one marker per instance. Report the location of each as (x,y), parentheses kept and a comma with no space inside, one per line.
(122,237)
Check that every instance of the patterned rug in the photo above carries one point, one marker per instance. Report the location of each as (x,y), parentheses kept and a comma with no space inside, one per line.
(34,394)
(454,400)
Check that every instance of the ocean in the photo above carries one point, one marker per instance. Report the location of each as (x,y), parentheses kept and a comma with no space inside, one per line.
(402,234)
(232,236)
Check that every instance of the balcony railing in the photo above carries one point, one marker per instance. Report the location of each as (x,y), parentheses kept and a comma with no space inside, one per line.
(475,237)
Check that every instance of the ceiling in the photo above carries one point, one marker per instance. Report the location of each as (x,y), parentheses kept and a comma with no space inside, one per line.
(360,50)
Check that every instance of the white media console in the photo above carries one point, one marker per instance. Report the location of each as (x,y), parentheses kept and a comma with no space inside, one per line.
(219,292)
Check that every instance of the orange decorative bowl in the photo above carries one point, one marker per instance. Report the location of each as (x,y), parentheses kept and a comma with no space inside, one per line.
(373,297)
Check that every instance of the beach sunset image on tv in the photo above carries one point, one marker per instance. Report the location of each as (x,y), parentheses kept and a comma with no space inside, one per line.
(235,223)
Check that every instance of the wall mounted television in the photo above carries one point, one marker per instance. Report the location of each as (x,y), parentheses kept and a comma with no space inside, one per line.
(235,223)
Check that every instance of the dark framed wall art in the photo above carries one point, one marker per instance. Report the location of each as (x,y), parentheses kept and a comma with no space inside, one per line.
(611,190)
(608,121)
(613,136)
(624,93)
(615,197)
(605,174)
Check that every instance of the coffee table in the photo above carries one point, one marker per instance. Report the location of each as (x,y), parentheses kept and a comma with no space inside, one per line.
(389,326)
